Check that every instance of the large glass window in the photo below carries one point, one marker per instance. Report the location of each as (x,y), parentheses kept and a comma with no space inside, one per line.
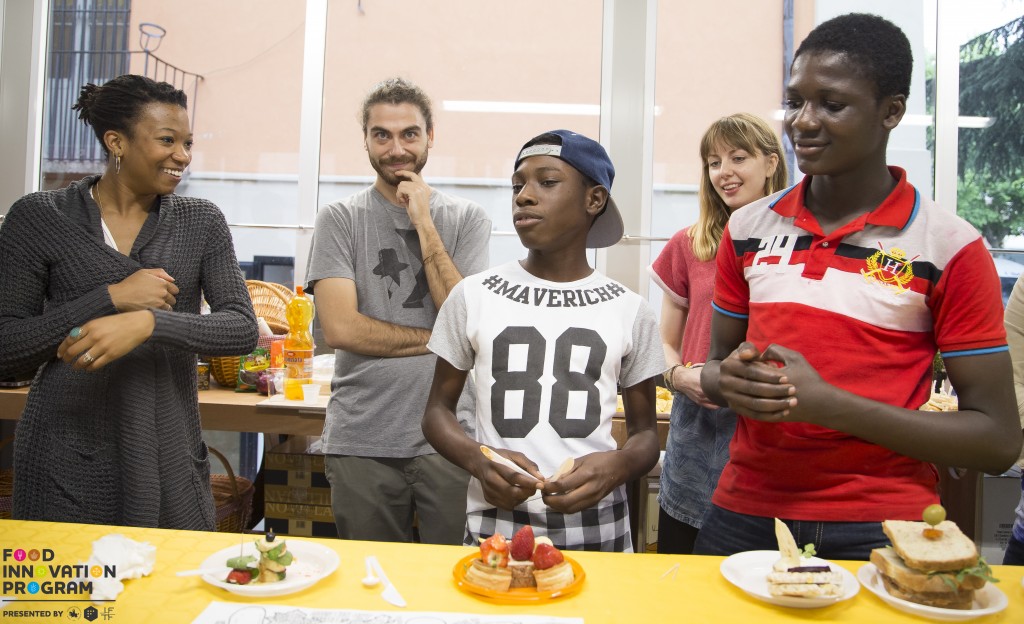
(241,69)
(498,73)
(88,43)
(242,73)
(990,175)
(733,56)
(713,60)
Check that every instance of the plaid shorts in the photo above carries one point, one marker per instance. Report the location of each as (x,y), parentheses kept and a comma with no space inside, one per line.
(604,528)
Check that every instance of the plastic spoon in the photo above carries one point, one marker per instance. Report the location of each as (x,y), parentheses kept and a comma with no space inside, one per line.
(370,580)
(497,458)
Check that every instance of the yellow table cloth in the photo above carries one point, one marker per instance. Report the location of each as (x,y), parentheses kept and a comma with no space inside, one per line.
(618,587)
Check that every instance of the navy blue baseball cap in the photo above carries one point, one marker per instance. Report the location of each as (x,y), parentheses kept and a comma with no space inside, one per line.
(589,158)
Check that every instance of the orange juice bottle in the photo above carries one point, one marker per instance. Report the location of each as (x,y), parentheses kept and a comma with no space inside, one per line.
(298,345)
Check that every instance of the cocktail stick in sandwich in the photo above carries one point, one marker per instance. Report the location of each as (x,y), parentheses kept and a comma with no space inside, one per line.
(930,564)
(274,558)
(792,576)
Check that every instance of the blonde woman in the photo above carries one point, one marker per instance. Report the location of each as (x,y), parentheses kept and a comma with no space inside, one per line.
(742,161)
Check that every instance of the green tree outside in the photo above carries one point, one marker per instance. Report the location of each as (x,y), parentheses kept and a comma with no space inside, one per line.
(990,189)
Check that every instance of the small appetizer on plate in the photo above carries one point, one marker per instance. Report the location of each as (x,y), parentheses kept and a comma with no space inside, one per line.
(791,576)
(270,567)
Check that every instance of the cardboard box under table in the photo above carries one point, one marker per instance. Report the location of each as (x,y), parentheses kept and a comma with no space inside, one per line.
(297,496)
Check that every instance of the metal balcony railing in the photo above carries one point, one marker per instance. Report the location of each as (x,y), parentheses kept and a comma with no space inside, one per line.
(89,43)
(66,138)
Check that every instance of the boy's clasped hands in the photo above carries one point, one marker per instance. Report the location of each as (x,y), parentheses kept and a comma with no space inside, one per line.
(510,478)
(764,385)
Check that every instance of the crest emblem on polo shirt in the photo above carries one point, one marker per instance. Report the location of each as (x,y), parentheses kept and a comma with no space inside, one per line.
(889,268)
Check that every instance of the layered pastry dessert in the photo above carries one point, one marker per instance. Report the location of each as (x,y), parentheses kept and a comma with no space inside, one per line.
(525,562)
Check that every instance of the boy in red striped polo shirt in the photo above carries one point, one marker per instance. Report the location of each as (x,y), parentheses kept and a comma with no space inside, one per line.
(832,298)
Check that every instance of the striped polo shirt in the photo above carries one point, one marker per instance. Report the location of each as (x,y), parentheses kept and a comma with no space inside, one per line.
(867,305)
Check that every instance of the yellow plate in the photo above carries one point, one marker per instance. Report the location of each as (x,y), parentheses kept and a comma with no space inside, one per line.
(519,594)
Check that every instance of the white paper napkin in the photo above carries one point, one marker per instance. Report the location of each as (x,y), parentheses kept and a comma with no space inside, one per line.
(130,559)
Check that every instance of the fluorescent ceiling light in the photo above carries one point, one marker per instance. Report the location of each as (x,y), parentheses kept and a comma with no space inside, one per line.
(534,108)
(919,119)
(539,108)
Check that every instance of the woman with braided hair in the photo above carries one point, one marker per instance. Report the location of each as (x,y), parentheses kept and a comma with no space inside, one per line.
(101,284)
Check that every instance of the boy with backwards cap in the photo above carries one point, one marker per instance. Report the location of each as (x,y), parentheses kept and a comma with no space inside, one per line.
(549,339)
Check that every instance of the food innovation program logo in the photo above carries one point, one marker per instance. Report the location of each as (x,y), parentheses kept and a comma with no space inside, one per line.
(35,575)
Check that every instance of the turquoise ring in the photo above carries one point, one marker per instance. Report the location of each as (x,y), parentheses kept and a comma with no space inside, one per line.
(75,332)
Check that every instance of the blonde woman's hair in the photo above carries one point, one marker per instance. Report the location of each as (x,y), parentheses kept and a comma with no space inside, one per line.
(742,131)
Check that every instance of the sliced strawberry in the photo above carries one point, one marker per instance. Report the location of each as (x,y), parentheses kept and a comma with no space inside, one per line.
(546,556)
(239,577)
(522,544)
(494,551)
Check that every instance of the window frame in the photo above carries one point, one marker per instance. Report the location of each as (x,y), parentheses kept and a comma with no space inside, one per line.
(627,112)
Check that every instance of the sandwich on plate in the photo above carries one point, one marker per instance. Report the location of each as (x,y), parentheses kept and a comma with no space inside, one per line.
(794,575)
(934,565)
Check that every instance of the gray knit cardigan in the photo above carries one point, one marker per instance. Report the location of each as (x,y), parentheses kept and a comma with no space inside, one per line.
(122,445)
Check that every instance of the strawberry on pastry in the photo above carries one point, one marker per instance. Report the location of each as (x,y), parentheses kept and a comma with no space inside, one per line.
(494,551)
(551,571)
(546,556)
(520,564)
(522,544)
(525,562)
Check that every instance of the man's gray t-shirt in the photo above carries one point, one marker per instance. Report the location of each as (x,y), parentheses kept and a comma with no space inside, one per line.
(377,403)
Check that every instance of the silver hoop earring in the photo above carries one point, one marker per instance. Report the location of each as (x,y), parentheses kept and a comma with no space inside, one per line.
(117,164)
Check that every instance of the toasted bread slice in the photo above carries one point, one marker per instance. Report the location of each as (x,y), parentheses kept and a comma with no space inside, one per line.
(952,551)
(889,564)
(944,600)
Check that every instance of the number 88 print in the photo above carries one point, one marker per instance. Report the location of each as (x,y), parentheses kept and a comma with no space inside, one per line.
(528,381)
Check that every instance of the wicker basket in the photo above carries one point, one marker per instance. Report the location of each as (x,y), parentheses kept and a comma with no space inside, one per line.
(269,300)
(233,497)
(224,370)
(6,485)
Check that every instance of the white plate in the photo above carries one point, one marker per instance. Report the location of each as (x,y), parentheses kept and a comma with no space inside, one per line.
(312,563)
(749,571)
(987,600)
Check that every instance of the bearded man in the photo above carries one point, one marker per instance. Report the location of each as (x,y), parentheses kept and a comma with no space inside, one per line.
(382,263)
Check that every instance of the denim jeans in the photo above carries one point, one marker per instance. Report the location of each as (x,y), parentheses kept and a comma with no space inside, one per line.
(1014,552)
(726,533)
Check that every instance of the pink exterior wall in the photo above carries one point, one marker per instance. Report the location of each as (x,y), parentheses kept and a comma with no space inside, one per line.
(714,58)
